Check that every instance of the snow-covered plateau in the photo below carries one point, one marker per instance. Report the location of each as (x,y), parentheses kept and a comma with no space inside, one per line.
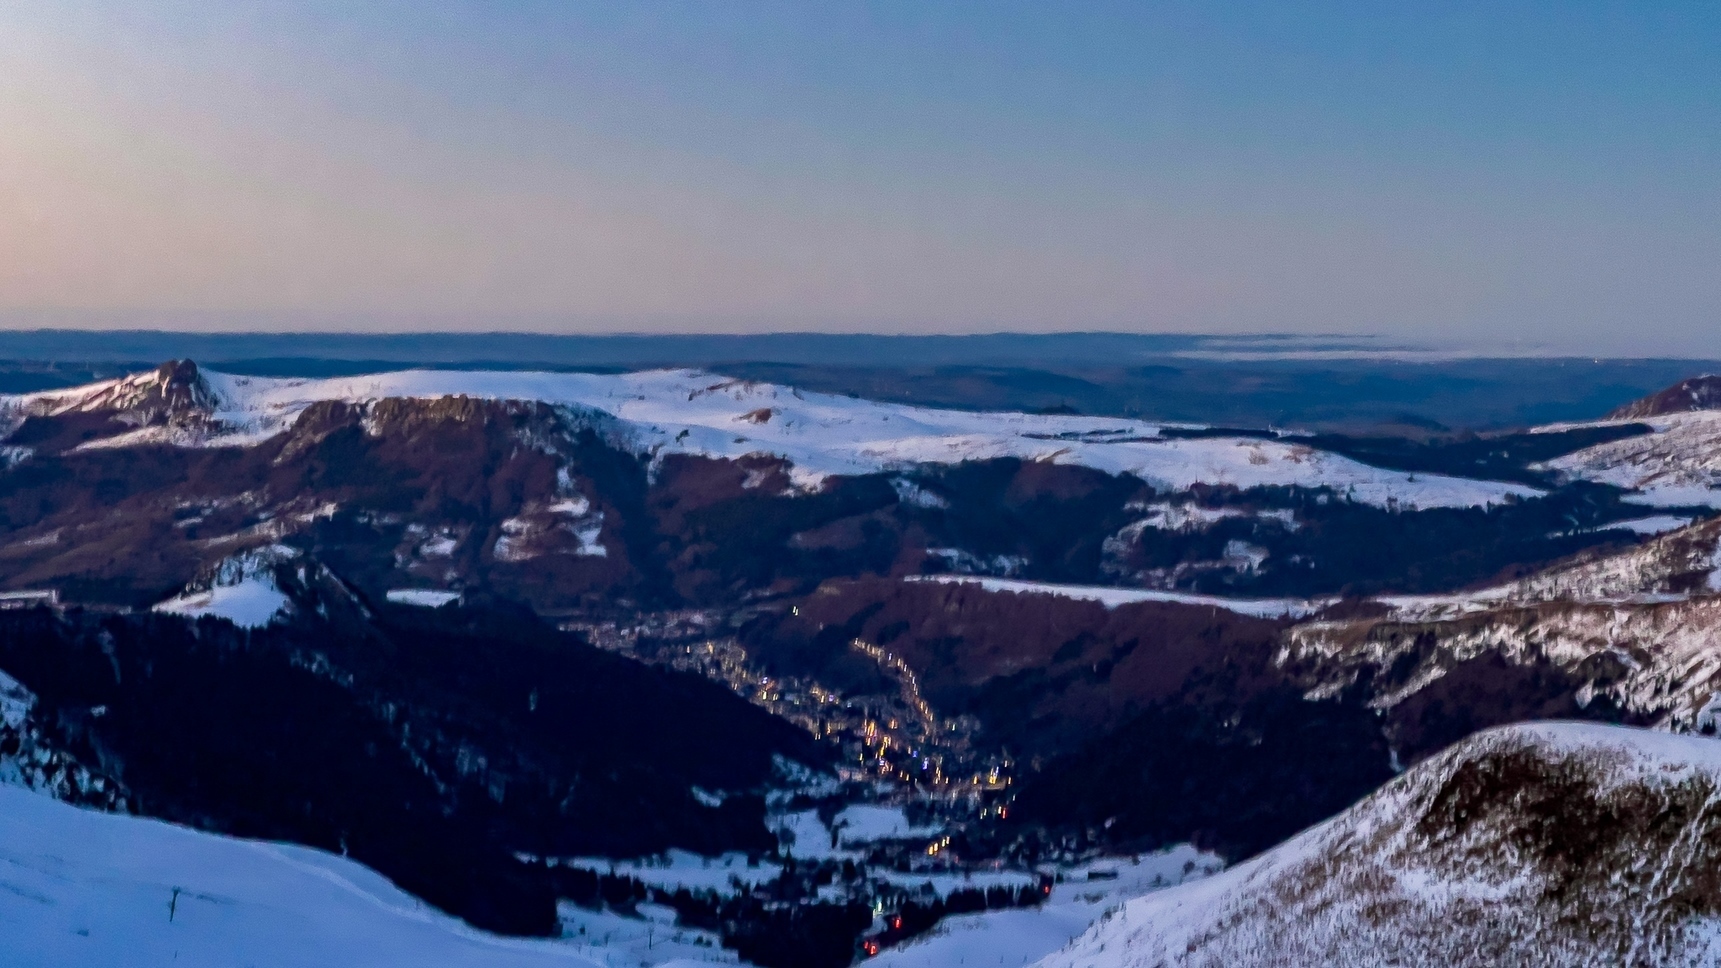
(664,412)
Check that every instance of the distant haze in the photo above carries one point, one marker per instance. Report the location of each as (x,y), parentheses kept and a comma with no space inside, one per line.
(1542,177)
(1252,381)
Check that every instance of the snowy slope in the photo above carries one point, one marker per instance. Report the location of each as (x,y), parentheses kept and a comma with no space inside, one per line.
(1556,844)
(689,412)
(1021,936)
(1669,568)
(1640,627)
(1112,597)
(242,590)
(94,890)
(1677,465)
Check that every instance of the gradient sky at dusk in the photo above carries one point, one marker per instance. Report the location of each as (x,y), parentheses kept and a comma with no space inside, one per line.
(1541,174)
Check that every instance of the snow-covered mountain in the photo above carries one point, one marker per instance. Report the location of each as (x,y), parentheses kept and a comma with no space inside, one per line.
(667,412)
(1639,629)
(1677,464)
(1547,845)
(99,890)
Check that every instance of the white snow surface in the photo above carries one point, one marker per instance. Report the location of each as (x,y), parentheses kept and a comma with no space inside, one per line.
(15,702)
(422,597)
(653,940)
(242,590)
(1169,516)
(865,823)
(680,868)
(1021,936)
(664,412)
(252,603)
(1653,524)
(1677,465)
(1112,597)
(93,890)
(805,837)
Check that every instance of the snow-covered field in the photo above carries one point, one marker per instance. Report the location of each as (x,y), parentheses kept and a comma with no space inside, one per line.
(864,823)
(680,868)
(1021,936)
(252,603)
(1653,524)
(422,597)
(1113,597)
(242,590)
(94,890)
(100,890)
(664,412)
(652,940)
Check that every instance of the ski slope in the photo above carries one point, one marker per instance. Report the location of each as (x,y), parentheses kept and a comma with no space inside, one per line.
(94,890)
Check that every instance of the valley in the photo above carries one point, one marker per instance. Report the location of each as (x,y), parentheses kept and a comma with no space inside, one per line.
(801,678)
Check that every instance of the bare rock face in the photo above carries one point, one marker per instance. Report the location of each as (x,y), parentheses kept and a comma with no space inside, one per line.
(1556,844)
(1697,393)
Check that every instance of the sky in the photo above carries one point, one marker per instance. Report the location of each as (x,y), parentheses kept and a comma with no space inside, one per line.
(1519,175)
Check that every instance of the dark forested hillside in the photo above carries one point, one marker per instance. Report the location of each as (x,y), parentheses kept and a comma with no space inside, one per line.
(431,749)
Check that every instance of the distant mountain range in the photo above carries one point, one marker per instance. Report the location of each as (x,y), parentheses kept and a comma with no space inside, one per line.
(1339,383)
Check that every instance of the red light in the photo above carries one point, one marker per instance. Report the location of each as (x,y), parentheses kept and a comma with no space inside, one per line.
(896,924)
